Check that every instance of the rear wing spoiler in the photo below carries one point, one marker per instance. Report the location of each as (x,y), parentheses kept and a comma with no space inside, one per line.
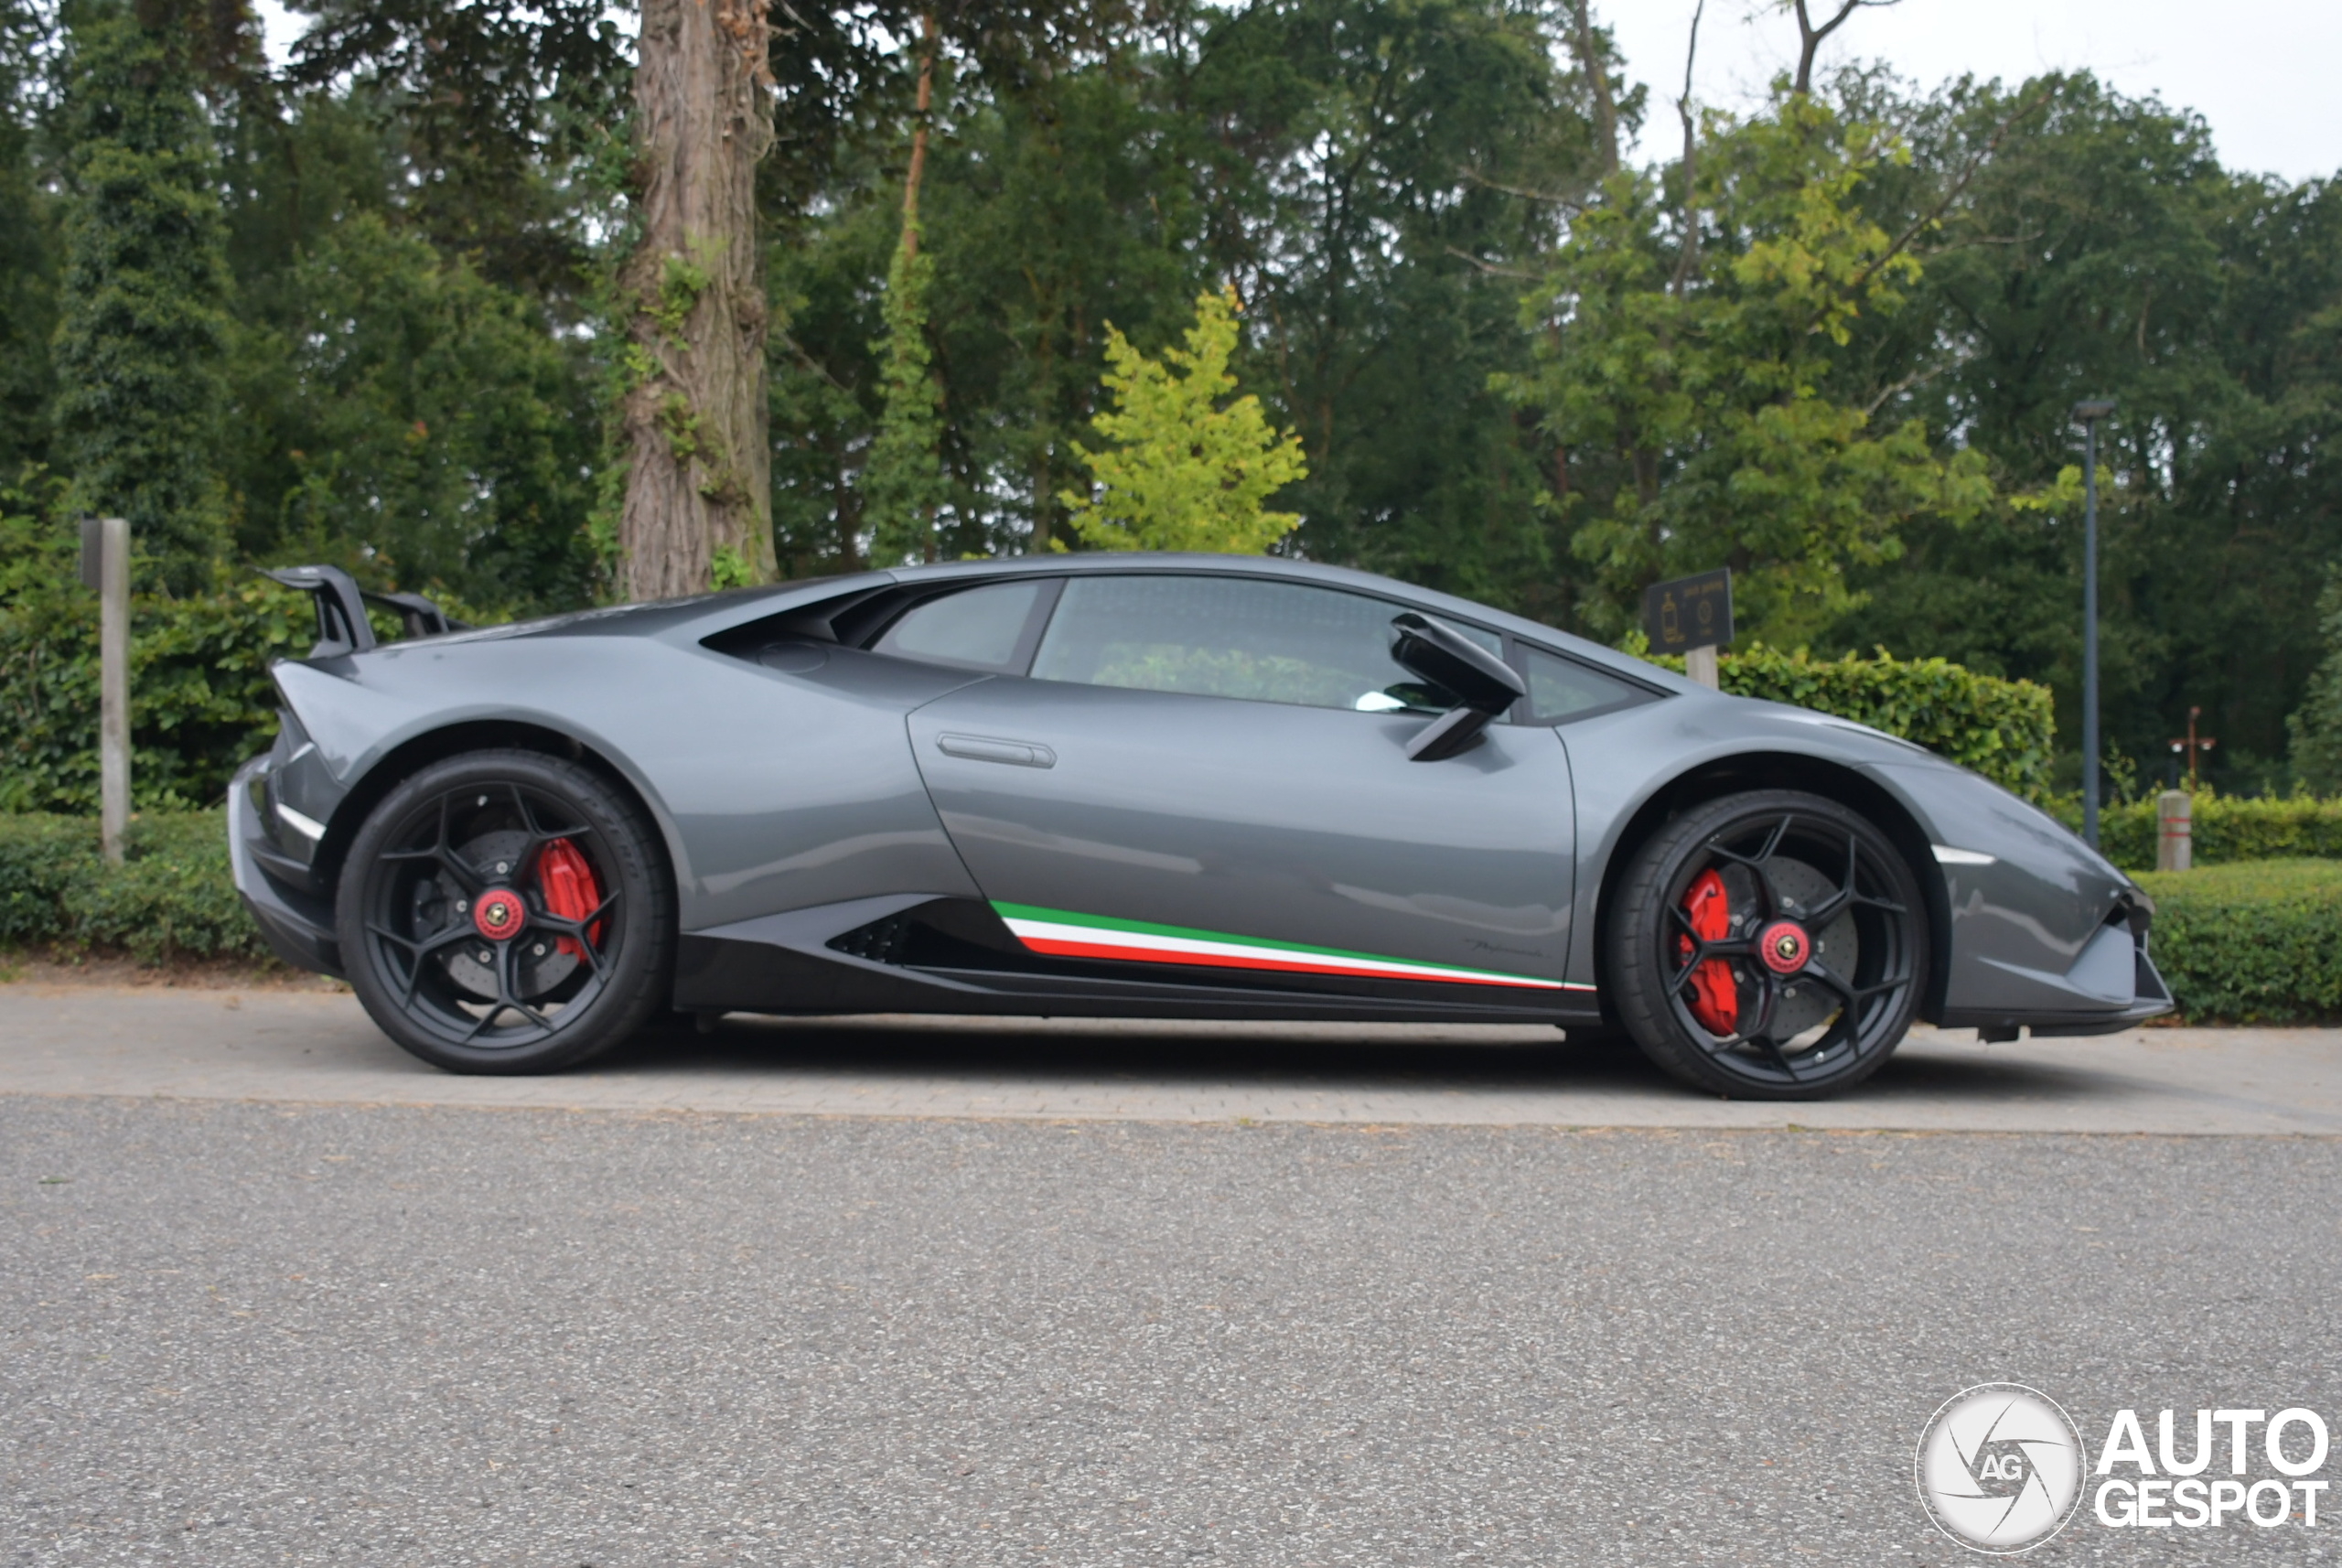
(341,604)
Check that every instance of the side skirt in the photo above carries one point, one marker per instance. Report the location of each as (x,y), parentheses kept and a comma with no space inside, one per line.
(918,953)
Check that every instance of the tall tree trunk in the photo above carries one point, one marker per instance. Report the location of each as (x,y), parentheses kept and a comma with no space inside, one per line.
(922,111)
(903,481)
(1590,59)
(699,490)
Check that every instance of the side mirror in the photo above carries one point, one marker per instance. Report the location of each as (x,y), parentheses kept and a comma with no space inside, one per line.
(1483,685)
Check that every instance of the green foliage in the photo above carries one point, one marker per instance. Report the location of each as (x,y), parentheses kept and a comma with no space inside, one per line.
(729,569)
(422,419)
(2315,727)
(681,281)
(903,484)
(1184,473)
(1699,373)
(172,896)
(2000,728)
(28,244)
(1369,174)
(144,330)
(2259,942)
(201,700)
(2226,830)
(2101,250)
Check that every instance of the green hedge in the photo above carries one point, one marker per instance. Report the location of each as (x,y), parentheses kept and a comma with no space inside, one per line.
(2227,830)
(172,896)
(2000,728)
(2258,943)
(200,700)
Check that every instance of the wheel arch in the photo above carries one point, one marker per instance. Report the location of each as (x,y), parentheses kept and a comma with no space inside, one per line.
(1745,771)
(417,752)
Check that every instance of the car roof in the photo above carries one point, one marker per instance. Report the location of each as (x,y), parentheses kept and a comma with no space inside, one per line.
(703,615)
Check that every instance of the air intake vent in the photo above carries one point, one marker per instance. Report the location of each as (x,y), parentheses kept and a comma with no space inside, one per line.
(880,941)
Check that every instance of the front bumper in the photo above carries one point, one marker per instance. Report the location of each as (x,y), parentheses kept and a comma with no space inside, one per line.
(291,913)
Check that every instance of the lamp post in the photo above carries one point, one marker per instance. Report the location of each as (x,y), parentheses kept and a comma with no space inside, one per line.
(2089,412)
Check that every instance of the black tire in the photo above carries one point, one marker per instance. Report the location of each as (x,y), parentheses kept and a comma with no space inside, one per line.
(1814,960)
(473,838)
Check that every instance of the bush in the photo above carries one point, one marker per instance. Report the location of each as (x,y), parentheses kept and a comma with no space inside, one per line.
(172,896)
(2256,943)
(201,699)
(2000,728)
(2227,830)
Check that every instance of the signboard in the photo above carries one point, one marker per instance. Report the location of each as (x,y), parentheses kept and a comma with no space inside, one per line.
(92,554)
(1688,612)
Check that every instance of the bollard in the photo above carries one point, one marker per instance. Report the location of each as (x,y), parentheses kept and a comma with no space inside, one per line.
(2174,831)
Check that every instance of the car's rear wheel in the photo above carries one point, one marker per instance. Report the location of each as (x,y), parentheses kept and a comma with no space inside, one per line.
(1770,945)
(507,912)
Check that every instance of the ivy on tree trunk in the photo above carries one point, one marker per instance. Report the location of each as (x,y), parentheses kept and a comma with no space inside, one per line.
(698,508)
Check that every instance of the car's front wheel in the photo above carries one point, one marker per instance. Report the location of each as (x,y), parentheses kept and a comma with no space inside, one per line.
(507,912)
(1771,945)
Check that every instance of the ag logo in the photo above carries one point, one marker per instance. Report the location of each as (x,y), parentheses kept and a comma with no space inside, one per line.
(2000,1469)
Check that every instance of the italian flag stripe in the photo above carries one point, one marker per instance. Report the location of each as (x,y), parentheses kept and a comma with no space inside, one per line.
(1067,935)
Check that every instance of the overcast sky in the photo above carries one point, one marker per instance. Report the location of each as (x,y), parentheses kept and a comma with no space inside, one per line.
(2265,74)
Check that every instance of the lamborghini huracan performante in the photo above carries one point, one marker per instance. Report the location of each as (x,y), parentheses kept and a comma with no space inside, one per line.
(1158,786)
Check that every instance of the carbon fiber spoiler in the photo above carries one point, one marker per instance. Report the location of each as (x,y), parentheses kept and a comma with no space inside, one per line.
(341,604)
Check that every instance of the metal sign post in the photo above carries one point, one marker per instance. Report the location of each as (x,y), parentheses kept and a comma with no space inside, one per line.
(2090,414)
(106,566)
(1692,617)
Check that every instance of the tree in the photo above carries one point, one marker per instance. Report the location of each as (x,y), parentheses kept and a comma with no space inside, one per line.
(143,329)
(2317,726)
(2102,251)
(1692,364)
(435,433)
(1378,179)
(699,487)
(27,246)
(903,483)
(1186,473)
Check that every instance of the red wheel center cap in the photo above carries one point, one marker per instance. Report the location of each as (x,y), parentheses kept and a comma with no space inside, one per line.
(499,914)
(1784,947)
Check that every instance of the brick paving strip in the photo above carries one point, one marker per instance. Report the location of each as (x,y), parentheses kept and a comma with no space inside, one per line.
(318,1048)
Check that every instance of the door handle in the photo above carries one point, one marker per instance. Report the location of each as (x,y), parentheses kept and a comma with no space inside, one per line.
(989,748)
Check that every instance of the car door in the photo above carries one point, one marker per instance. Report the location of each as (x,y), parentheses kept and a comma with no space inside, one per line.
(1208,772)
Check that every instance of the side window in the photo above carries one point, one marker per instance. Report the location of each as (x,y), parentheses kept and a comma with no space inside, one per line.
(1563,689)
(988,628)
(1233,637)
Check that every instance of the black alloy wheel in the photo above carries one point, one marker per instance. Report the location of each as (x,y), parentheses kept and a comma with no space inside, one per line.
(1771,945)
(507,912)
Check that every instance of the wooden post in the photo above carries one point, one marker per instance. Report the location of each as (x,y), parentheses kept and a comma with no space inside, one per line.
(2174,831)
(1700,664)
(113,684)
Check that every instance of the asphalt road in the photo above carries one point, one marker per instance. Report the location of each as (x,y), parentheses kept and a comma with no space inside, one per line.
(318,1048)
(253,1332)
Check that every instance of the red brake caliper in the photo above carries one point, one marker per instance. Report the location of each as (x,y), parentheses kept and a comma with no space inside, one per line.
(1715,996)
(571,892)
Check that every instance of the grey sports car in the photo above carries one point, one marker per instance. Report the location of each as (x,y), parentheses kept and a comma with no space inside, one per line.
(1108,785)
